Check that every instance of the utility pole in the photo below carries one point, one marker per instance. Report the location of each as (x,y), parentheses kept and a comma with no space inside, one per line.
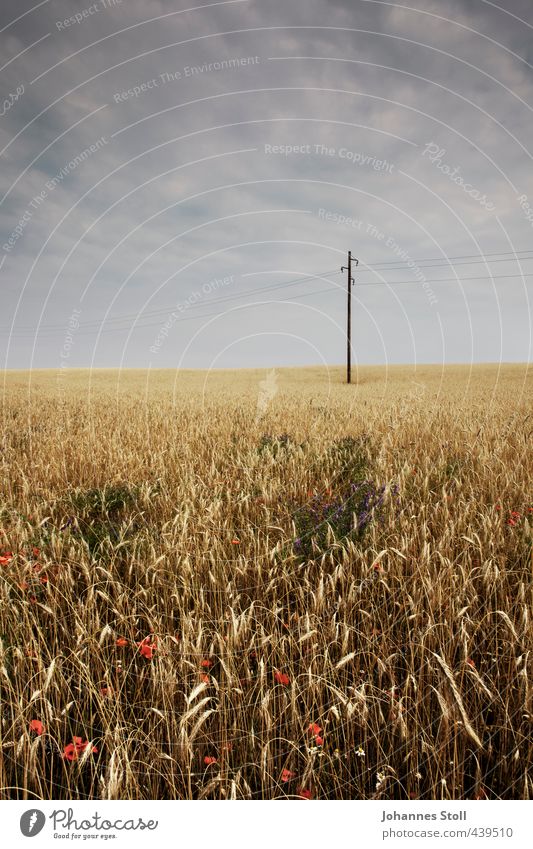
(348,268)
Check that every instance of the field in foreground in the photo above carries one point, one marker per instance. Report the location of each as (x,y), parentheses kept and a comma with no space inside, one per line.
(265,584)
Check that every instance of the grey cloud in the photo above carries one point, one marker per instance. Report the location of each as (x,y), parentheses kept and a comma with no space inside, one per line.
(126,206)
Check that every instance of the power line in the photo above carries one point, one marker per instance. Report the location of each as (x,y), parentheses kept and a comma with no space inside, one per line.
(205,315)
(169,309)
(402,265)
(511,254)
(447,279)
(296,297)
(394,265)
(95,323)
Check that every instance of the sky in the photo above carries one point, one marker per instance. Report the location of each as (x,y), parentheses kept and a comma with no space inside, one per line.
(181,182)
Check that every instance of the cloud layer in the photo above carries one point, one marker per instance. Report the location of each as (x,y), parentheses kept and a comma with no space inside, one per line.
(181,185)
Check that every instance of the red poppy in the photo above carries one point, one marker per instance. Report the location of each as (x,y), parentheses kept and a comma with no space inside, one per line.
(498,507)
(24,585)
(205,678)
(44,579)
(205,663)
(36,551)
(471,663)
(122,642)
(319,741)
(104,691)
(511,522)
(281,678)
(304,794)
(37,726)
(6,558)
(515,514)
(208,760)
(314,729)
(286,775)
(73,750)
(235,542)
(147,647)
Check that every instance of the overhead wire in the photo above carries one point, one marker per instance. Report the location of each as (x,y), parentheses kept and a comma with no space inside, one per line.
(377,267)
(169,309)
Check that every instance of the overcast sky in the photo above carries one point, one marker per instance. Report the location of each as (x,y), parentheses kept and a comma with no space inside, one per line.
(181,182)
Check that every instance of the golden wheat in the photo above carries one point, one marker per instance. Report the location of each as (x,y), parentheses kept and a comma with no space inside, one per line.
(161,510)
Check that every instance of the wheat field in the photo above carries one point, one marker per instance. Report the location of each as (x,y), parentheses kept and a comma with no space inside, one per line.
(264,584)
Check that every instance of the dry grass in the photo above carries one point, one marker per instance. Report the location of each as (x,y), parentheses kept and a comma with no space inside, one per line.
(157,507)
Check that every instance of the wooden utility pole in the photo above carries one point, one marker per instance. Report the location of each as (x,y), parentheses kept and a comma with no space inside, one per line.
(348,268)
